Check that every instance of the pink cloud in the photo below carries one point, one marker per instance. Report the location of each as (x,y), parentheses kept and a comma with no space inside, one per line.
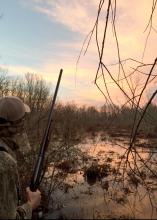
(79,16)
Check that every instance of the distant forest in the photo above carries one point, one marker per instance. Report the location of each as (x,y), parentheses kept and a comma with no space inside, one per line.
(72,121)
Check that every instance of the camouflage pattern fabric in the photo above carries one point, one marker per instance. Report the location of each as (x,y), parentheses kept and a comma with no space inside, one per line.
(9,208)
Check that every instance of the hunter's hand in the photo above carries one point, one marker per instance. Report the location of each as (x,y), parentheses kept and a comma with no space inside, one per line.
(33,198)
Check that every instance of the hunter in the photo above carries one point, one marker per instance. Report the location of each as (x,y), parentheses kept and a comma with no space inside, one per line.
(12,138)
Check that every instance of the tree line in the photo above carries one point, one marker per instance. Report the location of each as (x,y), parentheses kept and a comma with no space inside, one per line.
(71,121)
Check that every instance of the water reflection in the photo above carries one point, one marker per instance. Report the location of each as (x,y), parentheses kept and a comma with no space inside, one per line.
(114,195)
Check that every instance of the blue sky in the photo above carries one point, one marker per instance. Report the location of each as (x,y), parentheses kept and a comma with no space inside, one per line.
(27,36)
(32,42)
(42,36)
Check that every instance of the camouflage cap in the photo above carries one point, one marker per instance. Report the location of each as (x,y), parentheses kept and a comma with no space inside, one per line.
(12,108)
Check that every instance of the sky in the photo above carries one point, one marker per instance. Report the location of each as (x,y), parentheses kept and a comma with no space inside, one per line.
(43,36)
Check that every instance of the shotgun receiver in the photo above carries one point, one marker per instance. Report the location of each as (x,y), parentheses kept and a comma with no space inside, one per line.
(37,173)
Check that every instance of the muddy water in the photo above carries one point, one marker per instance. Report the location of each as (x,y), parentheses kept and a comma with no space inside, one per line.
(114,196)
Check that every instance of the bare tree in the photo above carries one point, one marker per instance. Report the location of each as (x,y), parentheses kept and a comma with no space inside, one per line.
(133,93)
(4,83)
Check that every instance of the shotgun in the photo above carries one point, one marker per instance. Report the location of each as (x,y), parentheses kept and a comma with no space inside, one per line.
(37,173)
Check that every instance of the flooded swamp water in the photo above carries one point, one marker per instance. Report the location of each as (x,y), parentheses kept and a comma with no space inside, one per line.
(100,185)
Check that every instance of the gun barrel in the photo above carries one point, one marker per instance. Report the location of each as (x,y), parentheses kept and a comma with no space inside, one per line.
(35,180)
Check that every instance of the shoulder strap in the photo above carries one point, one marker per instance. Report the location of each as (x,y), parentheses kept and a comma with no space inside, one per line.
(2,148)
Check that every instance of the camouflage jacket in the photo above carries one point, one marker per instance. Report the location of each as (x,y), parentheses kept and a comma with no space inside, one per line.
(9,208)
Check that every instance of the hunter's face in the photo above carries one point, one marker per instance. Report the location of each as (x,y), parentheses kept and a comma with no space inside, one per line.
(21,138)
(22,141)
